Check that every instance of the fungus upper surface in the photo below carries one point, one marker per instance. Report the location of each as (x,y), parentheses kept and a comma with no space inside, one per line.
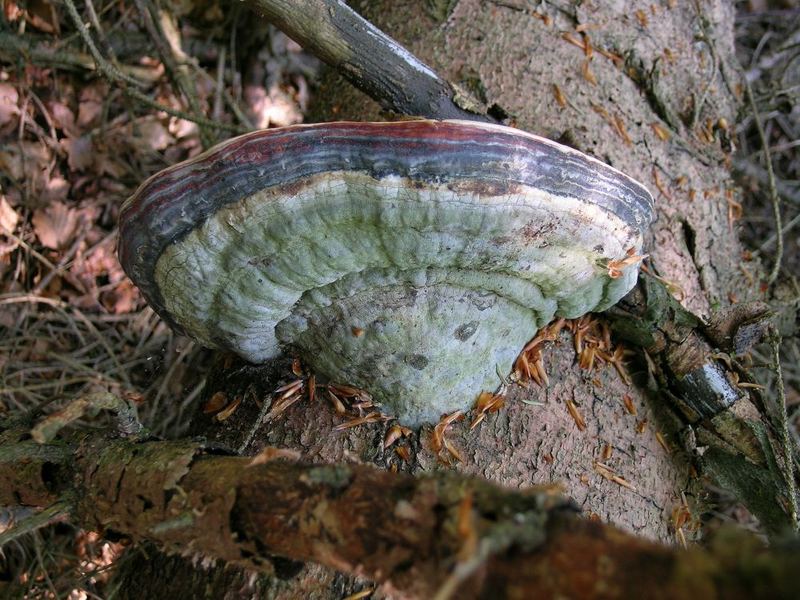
(409,258)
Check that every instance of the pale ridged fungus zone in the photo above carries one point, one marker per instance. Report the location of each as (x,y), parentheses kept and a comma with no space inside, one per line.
(411,259)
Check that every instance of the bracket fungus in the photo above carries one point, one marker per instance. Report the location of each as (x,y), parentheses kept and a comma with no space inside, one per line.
(411,259)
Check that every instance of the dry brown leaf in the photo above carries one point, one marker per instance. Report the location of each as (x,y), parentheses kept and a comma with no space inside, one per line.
(372,417)
(270,453)
(215,403)
(360,594)
(617,266)
(106,164)
(610,474)
(63,117)
(182,129)
(25,160)
(661,131)
(42,15)
(80,152)
(90,106)
(392,435)
(150,134)
(403,452)
(12,10)
(226,412)
(8,216)
(55,225)
(55,190)
(297,369)
(271,108)
(9,111)
(576,415)
(561,99)
(122,299)
(629,405)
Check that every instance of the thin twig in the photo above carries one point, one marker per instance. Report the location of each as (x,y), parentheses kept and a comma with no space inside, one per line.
(37,52)
(786,462)
(102,64)
(52,514)
(37,255)
(172,56)
(115,76)
(95,21)
(232,103)
(773,192)
(788,192)
(774,237)
(220,83)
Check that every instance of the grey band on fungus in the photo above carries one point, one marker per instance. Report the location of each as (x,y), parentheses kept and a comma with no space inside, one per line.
(444,244)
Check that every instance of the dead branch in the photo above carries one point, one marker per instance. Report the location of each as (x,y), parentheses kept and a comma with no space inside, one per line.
(441,534)
(365,56)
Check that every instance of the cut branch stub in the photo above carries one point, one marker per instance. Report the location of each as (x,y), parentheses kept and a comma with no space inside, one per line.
(408,258)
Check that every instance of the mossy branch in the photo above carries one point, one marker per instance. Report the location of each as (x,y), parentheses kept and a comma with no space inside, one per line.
(443,533)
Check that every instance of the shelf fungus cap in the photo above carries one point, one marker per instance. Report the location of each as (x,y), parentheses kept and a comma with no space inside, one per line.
(412,259)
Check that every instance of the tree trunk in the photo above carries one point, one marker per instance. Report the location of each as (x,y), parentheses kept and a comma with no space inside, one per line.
(653,71)
(646,87)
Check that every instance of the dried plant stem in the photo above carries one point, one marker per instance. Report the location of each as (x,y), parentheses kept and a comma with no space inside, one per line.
(64,307)
(782,426)
(773,191)
(172,56)
(52,514)
(103,65)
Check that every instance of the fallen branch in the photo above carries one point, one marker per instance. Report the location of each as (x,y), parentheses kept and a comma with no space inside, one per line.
(365,56)
(422,537)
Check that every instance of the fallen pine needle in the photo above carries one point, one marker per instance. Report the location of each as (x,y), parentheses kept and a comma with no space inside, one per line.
(271,453)
(608,473)
(372,417)
(576,415)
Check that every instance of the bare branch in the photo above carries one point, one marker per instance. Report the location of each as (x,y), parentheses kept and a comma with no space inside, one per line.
(444,533)
(365,56)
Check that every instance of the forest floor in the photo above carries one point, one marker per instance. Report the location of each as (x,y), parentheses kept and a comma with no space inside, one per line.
(79,133)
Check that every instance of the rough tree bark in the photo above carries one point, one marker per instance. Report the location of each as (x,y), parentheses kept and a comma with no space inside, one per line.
(647,87)
(512,58)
